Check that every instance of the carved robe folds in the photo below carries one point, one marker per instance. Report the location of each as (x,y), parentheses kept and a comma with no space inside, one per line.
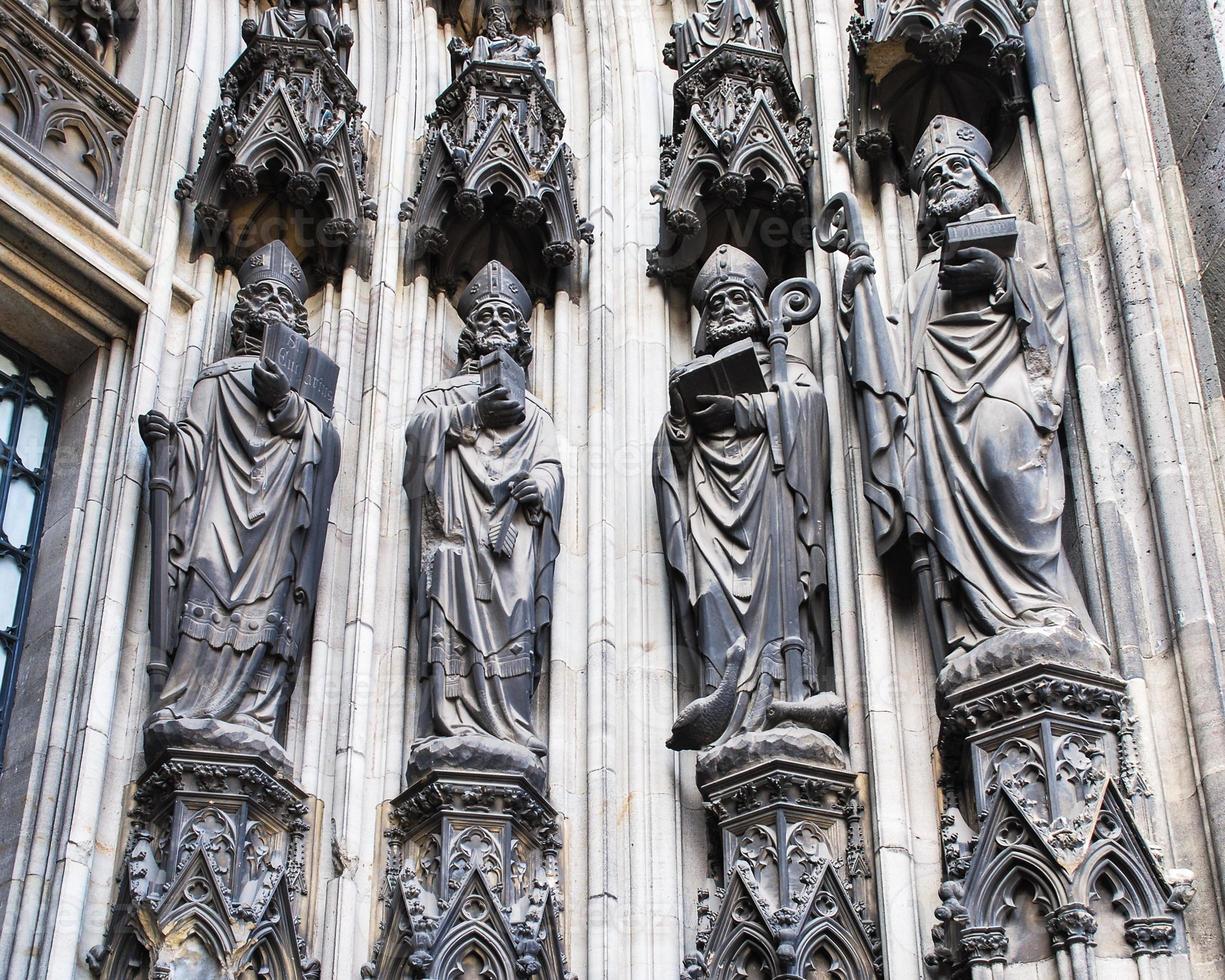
(727,512)
(482,618)
(251,494)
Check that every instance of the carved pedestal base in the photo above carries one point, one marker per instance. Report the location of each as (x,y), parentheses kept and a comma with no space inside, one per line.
(472,877)
(213,874)
(1040,777)
(794,867)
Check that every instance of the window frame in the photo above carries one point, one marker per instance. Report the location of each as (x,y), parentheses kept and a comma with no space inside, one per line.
(10,466)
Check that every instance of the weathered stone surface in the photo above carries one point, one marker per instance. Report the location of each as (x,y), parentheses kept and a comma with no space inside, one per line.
(475,754)
(1056,646)
(775,745)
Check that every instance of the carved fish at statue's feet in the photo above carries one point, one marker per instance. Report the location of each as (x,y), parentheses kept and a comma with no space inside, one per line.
(703,720)
(822,712)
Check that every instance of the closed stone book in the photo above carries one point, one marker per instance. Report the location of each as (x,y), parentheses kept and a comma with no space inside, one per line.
(996,233)
(499,369)
(734,370)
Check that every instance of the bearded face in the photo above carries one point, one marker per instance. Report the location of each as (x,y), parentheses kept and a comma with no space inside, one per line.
(496,325)
(952,189)
(499,23)
(258,305)
(730,315)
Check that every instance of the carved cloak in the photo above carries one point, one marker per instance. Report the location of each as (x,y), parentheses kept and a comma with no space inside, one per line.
(972,463)
(251,496)
(484,618)
(726,510)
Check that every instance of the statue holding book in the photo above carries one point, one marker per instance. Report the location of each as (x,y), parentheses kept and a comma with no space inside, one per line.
(240,493)
(484,482)
(741,478)
(960,398)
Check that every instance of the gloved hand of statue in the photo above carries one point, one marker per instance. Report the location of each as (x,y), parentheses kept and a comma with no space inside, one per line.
(973,270)
(271,385)
(154,427)
(717,412)
(498,409)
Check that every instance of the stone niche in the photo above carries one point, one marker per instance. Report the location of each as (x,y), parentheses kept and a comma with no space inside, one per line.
(60,108)
(912,60)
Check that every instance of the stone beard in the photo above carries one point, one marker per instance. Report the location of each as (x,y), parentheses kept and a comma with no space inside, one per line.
(733,500)
(971,468)
(251,493)
(481,616)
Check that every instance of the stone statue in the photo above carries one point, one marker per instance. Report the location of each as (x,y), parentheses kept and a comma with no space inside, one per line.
(498,42)
(960,401)
(249,473)
(720,22)
(484,483)
(740,474)
(90,23)
(314,20)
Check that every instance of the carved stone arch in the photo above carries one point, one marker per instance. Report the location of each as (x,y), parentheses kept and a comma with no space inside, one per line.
(1132,888)
(97,158)
(839,945)
(485,180)
(18,96)
(993,886)
(747,945)
(914,59)
(475,939)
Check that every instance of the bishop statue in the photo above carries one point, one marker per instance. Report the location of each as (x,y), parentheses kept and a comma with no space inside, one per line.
(484,483)
(741,480)
(960,402)
(247,479)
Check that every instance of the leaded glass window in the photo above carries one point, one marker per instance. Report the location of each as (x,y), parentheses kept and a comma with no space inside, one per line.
(29,419)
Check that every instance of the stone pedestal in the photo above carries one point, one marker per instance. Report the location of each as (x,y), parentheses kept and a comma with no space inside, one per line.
(1040,777)
(789,824)
(213,874)
(472,879)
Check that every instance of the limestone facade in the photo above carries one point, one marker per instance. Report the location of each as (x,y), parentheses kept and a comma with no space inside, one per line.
(103,280)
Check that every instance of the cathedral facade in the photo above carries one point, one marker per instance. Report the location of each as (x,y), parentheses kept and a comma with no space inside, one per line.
(549,489)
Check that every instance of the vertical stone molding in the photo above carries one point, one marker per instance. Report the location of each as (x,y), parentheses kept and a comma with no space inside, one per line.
(472,880)
(497,180)
(912,59)
(214,874)
(734,169)
(284,151)
(61,109)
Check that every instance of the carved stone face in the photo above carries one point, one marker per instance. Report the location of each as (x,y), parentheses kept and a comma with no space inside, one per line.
(258,305)
(497,324)
(498,24)
(730,315)
(952,189)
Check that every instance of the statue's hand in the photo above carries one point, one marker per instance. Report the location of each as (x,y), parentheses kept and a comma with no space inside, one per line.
(717,412)
(527,492)
(498,409)
(973,270)
(271,385)
(676,404)
(856,271)
(154,428)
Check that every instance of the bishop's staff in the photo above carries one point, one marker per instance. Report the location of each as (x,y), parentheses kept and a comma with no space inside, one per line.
(870,348)
(792,302)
